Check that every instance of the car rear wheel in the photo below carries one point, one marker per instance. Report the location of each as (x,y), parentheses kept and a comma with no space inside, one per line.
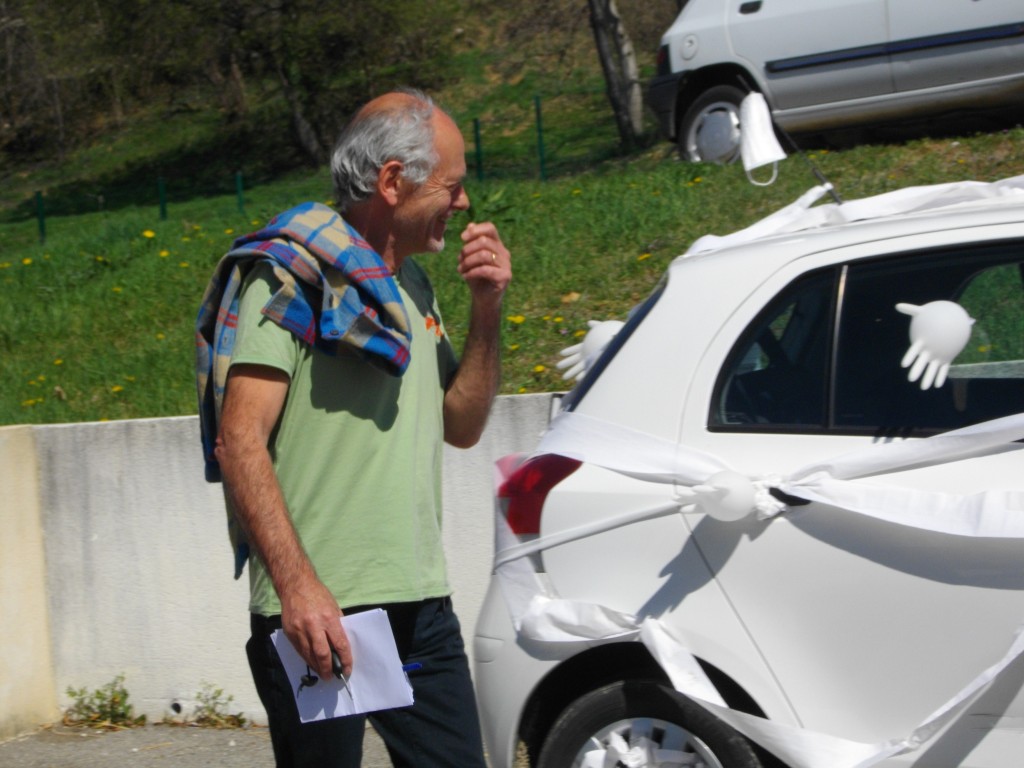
(709,131)
(637,720)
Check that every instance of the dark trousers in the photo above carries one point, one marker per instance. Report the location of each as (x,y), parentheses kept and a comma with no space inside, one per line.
(440,729)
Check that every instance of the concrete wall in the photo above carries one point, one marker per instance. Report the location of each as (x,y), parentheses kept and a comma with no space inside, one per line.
(114,560)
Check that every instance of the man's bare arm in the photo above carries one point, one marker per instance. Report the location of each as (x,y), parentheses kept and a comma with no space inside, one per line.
(253,403)
(486,266)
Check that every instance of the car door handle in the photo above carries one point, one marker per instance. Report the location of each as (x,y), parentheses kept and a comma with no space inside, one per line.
(752,7)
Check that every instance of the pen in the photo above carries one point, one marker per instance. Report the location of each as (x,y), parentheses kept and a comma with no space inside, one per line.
(338,669)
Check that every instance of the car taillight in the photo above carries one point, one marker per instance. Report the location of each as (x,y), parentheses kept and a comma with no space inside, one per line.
(527,487)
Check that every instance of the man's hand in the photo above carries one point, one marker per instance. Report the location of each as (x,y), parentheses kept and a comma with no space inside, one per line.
(310,618)
(484,262)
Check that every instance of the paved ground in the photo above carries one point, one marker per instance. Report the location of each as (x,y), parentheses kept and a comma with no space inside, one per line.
(155,746)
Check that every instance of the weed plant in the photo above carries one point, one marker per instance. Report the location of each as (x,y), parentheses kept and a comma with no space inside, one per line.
(213,709)
(106,708)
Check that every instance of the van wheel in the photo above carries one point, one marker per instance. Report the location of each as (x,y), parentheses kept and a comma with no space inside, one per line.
(709,131)
(641,715)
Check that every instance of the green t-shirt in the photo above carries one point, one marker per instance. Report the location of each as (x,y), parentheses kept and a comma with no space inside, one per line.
(357,453)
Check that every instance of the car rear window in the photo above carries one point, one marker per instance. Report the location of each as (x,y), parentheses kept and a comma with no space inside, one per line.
(636,316)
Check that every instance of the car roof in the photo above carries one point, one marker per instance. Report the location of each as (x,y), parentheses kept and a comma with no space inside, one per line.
(909,211)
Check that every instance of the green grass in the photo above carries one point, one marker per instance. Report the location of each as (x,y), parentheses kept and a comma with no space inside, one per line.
(97,323)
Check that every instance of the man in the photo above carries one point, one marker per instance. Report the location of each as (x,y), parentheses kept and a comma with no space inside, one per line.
(330,451)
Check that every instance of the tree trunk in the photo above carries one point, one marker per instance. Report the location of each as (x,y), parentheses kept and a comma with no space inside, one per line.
(58,113)
(621,73)
(305,134)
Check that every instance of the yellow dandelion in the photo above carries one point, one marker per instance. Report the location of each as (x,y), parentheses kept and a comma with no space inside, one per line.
(577,191)
(58,361)
(558,319)
(229,231)
(5,265)
(539,368)
(580,333)
(117,388)
(26,261)
(117,289)
(160,337)
(183,264)
(149,234)
(164,253)
(643,257)
(522,390)
(513,347)
(186,239)
(517,319)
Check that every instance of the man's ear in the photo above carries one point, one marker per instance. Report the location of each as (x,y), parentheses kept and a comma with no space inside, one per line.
(390,182)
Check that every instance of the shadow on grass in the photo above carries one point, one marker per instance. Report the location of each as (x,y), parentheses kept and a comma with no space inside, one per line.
(204,169)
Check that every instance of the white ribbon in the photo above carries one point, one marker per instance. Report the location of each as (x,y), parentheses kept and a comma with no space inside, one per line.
(992,513)
(554,620)
(799,216)
(539,614)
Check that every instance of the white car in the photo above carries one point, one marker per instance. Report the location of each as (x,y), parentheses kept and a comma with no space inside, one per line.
(828,65)
(761,529)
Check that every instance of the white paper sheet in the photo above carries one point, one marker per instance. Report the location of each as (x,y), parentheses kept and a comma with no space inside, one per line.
(377,680)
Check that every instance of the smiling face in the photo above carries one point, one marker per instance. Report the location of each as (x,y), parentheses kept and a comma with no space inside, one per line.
(422,213)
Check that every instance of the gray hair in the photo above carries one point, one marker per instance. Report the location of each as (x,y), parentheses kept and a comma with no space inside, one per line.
(401,132)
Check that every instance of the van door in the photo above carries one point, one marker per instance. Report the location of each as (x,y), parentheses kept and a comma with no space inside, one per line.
(955,41)
(810,52)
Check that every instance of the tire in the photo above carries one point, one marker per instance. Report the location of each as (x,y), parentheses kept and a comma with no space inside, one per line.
(709,131)
(638,709)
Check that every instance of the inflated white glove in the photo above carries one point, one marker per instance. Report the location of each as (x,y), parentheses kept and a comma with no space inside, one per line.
(938,332)
(579,357)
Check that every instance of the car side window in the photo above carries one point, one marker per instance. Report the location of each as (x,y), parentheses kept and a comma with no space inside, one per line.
(825,355)
(776,375)
(985,381)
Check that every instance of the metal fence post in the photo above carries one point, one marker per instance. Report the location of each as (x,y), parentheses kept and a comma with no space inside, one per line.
(239,192)
(41,215)
(540,137)
(162,191)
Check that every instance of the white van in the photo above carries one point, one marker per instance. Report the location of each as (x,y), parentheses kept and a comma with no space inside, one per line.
(828,64)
